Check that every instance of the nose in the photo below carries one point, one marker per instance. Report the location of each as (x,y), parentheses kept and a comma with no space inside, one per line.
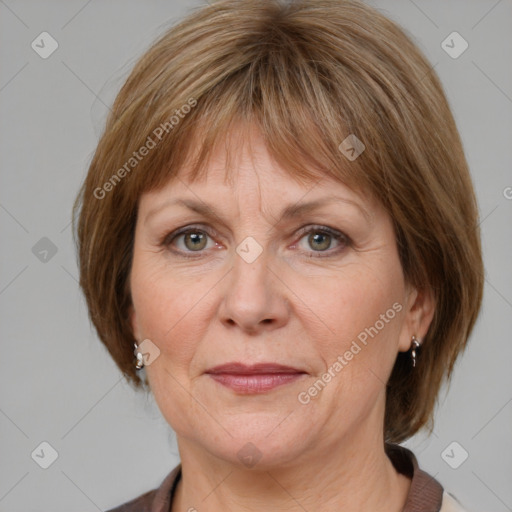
(254,297)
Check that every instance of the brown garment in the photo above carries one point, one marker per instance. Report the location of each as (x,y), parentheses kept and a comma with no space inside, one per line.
(425,494)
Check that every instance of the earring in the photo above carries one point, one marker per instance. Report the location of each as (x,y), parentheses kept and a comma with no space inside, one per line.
(140,360)
(415,345)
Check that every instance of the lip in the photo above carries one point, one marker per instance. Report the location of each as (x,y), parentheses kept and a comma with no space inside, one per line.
(255,378)
(236,368)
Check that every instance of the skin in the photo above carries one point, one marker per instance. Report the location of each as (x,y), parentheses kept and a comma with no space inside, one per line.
(288,306)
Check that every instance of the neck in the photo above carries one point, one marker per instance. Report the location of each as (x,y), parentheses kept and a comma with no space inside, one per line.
(351,474)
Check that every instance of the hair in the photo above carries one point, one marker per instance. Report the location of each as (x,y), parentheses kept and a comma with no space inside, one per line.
(307,73)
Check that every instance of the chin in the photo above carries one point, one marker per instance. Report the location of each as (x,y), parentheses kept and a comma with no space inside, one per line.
(263,441)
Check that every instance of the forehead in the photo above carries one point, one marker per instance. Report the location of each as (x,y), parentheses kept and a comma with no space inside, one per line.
(256,185)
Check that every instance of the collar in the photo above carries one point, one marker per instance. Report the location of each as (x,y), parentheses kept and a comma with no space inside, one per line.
(425,494)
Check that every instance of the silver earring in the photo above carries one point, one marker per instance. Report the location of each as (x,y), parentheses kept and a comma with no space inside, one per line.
(415,344)
(140,360)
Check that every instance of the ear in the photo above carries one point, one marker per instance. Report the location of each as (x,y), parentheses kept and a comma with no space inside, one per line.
(419,310)
(133,322)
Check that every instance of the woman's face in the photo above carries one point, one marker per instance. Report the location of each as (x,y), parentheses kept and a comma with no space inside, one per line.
(320,291)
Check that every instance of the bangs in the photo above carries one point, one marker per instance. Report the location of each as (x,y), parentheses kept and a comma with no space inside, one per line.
(277,89)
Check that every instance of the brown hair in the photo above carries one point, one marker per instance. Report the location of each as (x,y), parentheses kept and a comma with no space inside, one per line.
(308,73)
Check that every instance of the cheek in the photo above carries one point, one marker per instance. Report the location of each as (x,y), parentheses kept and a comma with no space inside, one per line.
(354,299)
(168,309)
(361,313)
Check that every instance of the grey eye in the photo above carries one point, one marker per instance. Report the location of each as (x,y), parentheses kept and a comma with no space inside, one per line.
(319,241)
(195,240)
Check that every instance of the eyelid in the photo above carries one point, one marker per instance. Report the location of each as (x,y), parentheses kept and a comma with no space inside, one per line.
(320,227)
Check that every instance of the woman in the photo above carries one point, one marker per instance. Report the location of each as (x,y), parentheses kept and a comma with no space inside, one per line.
(279,216)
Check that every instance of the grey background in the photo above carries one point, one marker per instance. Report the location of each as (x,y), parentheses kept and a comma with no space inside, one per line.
(57,383)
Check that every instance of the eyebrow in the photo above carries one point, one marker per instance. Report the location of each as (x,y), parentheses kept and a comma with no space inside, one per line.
(290,212)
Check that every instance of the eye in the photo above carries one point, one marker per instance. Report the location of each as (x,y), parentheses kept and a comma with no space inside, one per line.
(192,240)
(320,239)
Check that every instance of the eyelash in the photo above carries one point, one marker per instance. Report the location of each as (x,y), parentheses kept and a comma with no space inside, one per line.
(337,235)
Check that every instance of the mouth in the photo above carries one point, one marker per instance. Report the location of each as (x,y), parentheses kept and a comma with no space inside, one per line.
(254,379)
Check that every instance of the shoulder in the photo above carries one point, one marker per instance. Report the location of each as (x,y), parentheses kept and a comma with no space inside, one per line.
(140,504)
(426,493)
(156,500)
(450,504)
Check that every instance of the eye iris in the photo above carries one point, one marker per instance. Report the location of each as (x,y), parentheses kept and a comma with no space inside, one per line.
(197,238)
(317,237)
